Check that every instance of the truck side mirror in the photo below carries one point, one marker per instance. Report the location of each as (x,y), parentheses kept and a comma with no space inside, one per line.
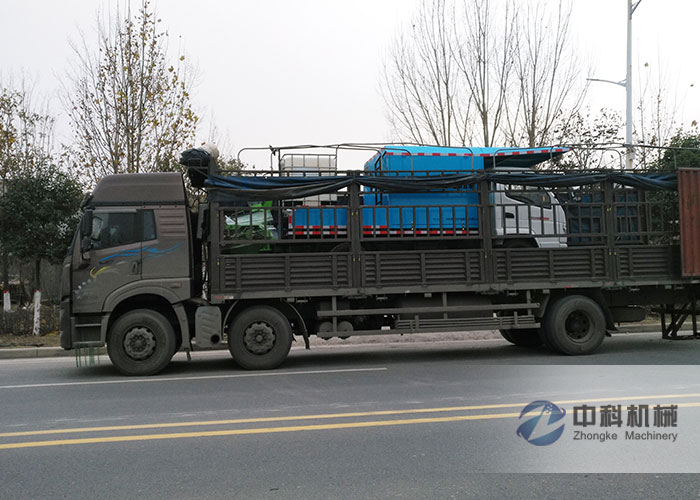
(86,231)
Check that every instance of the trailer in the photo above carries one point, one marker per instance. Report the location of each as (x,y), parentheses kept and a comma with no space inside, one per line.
(420,240)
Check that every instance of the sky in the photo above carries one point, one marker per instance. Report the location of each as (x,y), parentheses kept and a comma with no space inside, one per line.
(308,71)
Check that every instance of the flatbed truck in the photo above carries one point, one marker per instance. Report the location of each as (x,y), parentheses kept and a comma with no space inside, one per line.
(470,240)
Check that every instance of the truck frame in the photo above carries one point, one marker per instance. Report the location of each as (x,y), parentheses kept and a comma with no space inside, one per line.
(147,275)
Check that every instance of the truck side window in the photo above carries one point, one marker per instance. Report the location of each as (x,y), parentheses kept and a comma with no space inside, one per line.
(112,229)
(149,225)
(532,196)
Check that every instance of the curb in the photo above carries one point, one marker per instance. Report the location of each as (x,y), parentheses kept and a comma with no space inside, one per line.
(634,328)
(41,352)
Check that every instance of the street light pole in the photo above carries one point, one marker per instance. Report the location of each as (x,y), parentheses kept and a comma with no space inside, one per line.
(631,7)
(627,83)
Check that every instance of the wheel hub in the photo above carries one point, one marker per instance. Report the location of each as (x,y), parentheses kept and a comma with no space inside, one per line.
(139,343)
(578,325)
(259,338)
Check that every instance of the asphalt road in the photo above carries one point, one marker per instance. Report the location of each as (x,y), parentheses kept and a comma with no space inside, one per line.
(435,420)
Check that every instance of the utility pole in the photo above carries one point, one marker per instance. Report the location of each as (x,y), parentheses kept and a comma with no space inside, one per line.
(631,7)
(627,83)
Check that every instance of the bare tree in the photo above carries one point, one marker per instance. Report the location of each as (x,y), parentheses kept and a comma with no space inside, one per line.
(26,129)
(486,72)
(550,78)
(483,48)
(129,107)
(657,115)
(420,86)
(596,140)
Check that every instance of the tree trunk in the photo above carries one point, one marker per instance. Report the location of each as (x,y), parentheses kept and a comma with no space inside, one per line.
(37,274)
(5,271)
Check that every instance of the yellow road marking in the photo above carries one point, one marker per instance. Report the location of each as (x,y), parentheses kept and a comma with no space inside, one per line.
(265,430)
(260,430)
(320,416)
(292,418)
(323,416)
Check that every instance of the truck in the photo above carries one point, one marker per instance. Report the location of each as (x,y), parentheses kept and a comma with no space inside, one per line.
(422,239)
(421,212)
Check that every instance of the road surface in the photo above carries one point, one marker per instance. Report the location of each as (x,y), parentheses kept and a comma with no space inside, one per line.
(427,420)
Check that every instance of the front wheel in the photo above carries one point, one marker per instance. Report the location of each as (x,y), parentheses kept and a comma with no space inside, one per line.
(141,342)
(260,338)
(575,325)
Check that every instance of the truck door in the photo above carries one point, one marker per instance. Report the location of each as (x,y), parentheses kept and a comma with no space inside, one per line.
(166,250)
(113,261)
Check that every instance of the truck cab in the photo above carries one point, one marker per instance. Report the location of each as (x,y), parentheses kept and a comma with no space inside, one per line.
(131,257)
(526,214)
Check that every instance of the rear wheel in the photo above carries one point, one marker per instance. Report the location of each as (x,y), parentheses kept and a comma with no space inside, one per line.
(575,325)
(526,337)
(141,342)
(260,338)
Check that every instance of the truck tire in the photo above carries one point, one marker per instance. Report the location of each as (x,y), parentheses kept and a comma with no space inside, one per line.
(141,342)
(544,340)
(526,337)
(575,325)
(505,335)
(260,338)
